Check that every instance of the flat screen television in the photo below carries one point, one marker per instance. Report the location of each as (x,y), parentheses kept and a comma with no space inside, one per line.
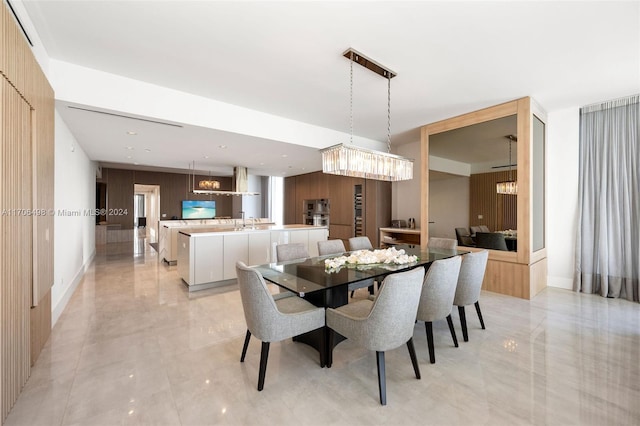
(194,209)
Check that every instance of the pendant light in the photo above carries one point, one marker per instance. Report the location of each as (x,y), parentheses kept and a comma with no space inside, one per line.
(509,187)
(351,160)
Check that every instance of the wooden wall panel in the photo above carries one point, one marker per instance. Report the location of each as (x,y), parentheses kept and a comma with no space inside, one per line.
(498,211)
(27,163)
(16,250)
(340,192)
(174,187)
(290,201)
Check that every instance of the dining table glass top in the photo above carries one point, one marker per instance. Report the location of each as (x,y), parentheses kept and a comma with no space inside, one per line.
(310,275)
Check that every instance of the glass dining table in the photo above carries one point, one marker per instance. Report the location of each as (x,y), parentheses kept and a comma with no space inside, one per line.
(328,288)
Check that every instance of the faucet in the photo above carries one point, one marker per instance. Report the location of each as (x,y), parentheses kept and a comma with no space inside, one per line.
(243,222)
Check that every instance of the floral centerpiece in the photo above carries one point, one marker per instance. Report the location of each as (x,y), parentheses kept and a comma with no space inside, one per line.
(368,257)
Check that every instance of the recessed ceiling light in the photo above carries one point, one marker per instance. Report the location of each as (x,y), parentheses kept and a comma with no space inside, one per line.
(206,156)
(130,148)
(284,155)
(132,133)
(222,146)
(128,156)
(136,163)
(147,150)
(262,164)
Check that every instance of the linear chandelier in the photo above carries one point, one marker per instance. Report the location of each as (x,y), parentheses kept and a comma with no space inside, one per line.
(350,160)
(509,187)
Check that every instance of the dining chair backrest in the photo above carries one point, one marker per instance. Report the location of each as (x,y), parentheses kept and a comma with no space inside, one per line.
(438,289)
(470,278)
(260,310)
(464,237)
(442,243)
(391,319)
(331,247)
(360,243)
(291,251)
(491,240)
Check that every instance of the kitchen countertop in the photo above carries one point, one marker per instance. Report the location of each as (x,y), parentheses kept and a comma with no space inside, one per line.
(200,232)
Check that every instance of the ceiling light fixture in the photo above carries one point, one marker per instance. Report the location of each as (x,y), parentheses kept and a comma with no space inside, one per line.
(212,187)
(351,160)
(509,187)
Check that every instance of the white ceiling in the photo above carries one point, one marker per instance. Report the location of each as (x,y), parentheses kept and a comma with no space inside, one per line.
(285,58)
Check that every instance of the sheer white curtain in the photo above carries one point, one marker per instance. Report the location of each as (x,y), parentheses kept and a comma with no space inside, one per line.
(608,241)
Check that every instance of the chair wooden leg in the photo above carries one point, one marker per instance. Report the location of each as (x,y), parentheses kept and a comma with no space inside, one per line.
(246,345)
(382,382)
(463,323)
(452,330)
(352,293)
(428,326)
(414,359)
(264,355)
(479,314)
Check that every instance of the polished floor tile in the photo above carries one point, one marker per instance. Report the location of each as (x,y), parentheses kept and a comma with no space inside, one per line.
(133,346)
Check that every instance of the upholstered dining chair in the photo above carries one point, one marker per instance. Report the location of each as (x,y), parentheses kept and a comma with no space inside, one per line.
(291,251)
(464,237)
(331,247)
(478,228)
(442,243)
(470,279)
(436,299)
(273,320)
(491,240)
(361,243)
(382,324)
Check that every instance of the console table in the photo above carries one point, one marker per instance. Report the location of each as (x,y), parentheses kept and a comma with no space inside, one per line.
(392,236)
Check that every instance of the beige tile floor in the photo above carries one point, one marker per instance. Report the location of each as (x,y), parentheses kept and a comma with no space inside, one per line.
(134,347)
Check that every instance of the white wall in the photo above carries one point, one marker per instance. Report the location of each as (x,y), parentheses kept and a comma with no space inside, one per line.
(448,206)
(562,194)
(74,236)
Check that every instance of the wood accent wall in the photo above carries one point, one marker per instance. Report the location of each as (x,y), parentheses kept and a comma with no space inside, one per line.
(173,189)
(498,211)
(340,192)
(26,206)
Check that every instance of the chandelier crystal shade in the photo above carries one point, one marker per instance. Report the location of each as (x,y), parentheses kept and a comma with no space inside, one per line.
(351,160)
(509,187)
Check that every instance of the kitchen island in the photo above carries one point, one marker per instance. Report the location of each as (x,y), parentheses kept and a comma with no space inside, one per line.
(207,256)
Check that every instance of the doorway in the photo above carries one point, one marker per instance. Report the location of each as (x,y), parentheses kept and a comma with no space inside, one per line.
(146,207)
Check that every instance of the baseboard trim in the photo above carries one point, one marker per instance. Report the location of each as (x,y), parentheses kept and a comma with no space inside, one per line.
(57,310)
(560,282)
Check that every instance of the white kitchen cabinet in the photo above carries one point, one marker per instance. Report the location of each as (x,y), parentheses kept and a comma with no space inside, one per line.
(316,235)
(236,247)
(259,248)
(208,259)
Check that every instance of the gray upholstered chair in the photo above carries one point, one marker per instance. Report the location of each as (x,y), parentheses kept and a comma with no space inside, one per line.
(464,237)
(273,320)
(360,243)
(469,285)
(442,243)
(478,228)
(331,247)
(436,299)
(291,251)
(491,240)
(383,324)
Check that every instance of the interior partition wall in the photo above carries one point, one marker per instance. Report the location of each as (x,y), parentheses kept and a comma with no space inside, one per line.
(521,273)
(26,210)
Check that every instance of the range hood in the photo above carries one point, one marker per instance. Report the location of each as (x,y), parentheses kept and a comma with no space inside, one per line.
(239,185)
